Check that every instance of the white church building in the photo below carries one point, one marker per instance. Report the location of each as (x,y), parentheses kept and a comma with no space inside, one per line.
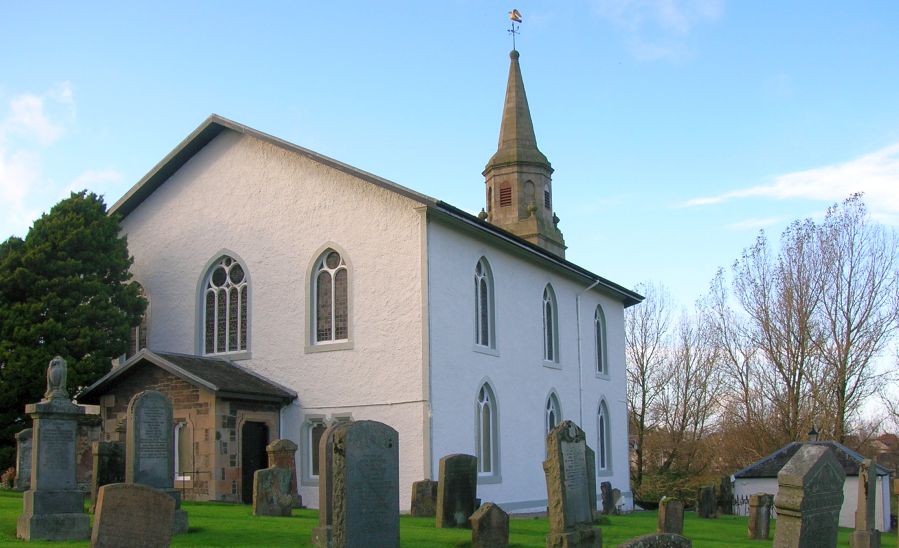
(357,298)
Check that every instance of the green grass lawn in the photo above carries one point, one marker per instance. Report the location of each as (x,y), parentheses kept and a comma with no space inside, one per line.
(213,524)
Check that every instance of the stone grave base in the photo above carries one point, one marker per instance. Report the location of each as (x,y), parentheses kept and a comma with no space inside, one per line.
(53,515)
(584,537)
(864,539)
(322,536)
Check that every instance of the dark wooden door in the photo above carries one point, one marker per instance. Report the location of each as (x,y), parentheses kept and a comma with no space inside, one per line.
(253,438)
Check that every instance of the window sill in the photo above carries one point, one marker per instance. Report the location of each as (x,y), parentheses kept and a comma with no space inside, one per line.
(232,356)
(493,478)
(603,376)
(485,350)
(552,365)
(604,473)
(328,347)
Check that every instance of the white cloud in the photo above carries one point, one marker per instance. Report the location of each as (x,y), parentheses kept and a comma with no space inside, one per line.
(875,174)
(754,224)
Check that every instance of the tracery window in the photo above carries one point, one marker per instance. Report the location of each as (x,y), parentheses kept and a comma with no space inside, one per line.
(599,320)
(226,298)
(553,412)
(484,317)
(550,326)
(487,447)
(329,296)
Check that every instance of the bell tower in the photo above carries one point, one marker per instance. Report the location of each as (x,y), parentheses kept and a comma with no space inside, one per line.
(519,177)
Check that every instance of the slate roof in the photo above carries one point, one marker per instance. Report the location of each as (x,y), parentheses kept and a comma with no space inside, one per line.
(225,378)
(769,466)
(215,124)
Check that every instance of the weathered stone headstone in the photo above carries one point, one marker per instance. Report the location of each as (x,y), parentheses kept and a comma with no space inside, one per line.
(570,517)
(271,492)
(457,485)
(489,527)
(590,455)
(53,508)
(282,454)
(725,496)
(109,466)
(808,501)
(132,515)
(23,460)
(866,534)
(605,489)
(616,500)
(760,516)
(149,448)
(424,499)
(659,540)
(706,504)
(359,492)
(671,516)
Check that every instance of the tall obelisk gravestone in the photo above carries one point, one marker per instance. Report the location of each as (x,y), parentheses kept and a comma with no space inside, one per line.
(53,509)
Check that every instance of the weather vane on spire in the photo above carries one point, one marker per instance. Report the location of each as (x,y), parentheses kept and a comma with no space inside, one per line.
(515,16)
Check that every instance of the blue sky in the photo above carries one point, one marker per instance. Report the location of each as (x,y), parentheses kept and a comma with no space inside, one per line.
(677,128)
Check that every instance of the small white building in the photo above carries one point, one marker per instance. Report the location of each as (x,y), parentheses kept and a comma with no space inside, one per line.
(467,334)
(761,477)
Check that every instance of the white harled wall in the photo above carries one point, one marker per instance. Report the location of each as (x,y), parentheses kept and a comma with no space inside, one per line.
(275,211)
(516,371)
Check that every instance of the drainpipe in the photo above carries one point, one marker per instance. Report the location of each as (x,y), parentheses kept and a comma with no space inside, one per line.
(580,367)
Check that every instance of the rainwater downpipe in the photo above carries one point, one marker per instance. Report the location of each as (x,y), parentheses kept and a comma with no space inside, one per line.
(580,367)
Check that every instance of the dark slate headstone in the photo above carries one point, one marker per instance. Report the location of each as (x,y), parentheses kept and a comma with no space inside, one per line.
(424,499)
(457,486)
(282,454)
(725,496)
(590,456)
(108,464)
(360,497)
(760,516)
(659,540)
(809,498)
(23,460)
(489,527)
(671,516)
(132,515)
(53,508)
(706,503)
(866,534)
(271,492)
(605,489)
(570,517)
(149,448)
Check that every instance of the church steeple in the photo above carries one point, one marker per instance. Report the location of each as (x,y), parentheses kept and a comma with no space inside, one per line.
(518,176)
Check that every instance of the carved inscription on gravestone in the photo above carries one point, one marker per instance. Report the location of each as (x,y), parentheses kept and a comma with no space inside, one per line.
(56,465)
(575,479)
(149,446)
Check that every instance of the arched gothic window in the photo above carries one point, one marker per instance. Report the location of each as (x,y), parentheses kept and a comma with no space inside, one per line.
(550,326)
(603,445)
(483,308)
(553,412)
(599,320)
(329,298)
(226,298)
(487,448)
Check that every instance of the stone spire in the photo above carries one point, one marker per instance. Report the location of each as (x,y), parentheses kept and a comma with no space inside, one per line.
(518,176)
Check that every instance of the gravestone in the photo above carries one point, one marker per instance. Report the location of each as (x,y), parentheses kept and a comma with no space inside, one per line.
(808,501)
(149,448)
(457,485)
(489,527)
(570,517)
(725,496)
(53,508)
(108,465)
(282,454)
(23,460)
(590,455)
(671,516)
(605,489)
(760,516)
(271,492)
(706,504)
(130,514)
(866,534)
(359,494)
(658,540)
(424,499)
(616,500)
